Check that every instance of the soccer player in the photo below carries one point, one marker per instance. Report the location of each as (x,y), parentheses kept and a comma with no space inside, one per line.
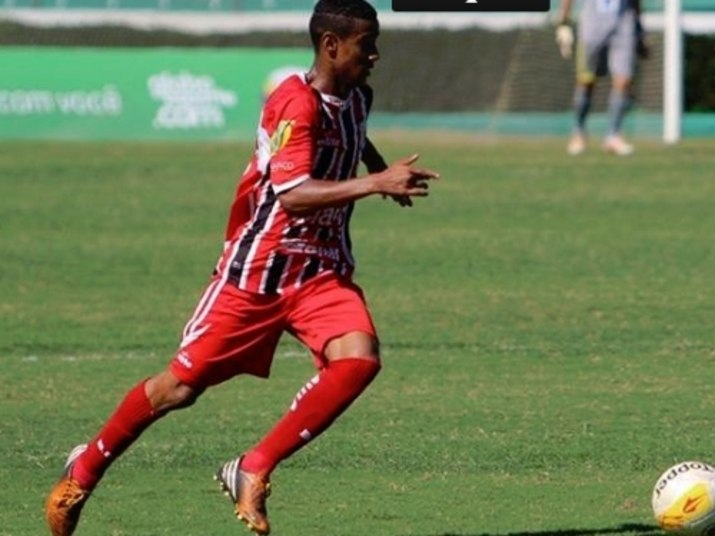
(286,267)
(610,38)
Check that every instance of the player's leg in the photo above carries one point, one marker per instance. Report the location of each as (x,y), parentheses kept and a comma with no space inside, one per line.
(587,58)
(621,64)
(143,404)
(331,318)
(211,351)
(619,102)
(351,362)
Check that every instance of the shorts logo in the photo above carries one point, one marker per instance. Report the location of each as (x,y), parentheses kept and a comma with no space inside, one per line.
(281,135)
(184,359)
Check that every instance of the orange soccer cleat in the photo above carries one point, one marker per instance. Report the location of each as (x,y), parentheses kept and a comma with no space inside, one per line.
(65,502)
(248,493)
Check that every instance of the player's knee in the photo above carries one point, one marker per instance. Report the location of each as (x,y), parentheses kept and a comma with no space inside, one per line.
(184,396)
(366,368)
(353,344)
(166,393)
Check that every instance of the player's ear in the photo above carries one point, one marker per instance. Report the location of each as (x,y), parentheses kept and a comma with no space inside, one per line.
(329,43)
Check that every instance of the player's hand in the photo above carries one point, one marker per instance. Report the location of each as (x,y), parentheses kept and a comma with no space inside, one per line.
(564,38)
(402,200)
(402,180)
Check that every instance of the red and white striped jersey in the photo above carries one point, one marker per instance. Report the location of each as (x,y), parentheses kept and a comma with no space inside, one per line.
(302,134)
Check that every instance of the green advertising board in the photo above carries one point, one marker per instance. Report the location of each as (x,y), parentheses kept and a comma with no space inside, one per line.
(138,94)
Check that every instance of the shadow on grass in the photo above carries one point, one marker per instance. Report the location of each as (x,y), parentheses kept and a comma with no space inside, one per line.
(636,528)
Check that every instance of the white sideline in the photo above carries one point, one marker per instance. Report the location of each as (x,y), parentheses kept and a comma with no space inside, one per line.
(289,354)
(236,23)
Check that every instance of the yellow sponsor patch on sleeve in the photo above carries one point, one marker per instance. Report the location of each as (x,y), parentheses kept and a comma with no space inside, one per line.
(281,135)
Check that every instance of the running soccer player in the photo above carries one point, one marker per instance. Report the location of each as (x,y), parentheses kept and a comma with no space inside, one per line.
(610,38)
(286,267)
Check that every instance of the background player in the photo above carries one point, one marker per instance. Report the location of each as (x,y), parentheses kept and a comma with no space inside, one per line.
(609,38)
(286,266)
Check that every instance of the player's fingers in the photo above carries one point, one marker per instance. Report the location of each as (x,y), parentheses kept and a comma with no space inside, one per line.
(404,201)
(424,173)
(408,160)
(418,192)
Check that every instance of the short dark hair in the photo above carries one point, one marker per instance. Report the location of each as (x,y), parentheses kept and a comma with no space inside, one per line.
(339,17)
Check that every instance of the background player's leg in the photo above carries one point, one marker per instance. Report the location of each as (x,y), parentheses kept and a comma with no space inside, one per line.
(583,96)
(582,106)
(587,57)
(619,103)
(621,65)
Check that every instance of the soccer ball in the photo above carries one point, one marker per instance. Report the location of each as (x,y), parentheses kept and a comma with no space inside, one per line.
(684,499)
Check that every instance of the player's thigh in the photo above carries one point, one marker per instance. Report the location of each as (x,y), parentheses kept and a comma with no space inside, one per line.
(622,57)
(590,60)
(231,332)
(331,309)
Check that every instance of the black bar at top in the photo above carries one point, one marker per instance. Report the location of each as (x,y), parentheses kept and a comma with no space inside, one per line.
(471,5)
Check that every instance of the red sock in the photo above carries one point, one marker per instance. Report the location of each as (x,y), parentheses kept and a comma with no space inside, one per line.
(130,419)
(315,407)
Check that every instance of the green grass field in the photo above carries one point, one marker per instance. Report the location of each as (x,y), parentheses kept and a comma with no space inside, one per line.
(548,328)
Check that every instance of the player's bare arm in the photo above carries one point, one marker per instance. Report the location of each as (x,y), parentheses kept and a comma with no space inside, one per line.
(399,179)
(371,157)
(565,12)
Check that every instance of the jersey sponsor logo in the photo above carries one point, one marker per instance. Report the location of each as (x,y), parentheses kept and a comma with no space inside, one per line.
(329,138)
(329,217)
(282,165)
(281,135)
(301,248)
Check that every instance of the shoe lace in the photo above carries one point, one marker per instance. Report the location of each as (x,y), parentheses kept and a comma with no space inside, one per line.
(72,494)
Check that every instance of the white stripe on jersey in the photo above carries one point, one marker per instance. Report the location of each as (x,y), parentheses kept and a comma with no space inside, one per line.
(199,307)
(206,303)
(257,240)
(290,184)
(330,171)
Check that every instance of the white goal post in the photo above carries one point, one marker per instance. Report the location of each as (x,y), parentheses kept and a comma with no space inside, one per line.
(672,72)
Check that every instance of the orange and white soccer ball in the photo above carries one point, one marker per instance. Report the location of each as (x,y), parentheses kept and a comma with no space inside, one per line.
(684,499)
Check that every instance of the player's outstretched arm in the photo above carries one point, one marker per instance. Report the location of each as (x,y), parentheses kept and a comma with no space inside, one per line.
(402,178)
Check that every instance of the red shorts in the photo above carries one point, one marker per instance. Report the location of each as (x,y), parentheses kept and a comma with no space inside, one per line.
(236,332)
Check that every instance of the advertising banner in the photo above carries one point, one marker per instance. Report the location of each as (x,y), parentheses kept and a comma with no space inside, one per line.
(138,94)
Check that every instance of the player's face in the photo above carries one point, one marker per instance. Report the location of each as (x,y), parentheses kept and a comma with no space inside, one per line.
(358,53)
